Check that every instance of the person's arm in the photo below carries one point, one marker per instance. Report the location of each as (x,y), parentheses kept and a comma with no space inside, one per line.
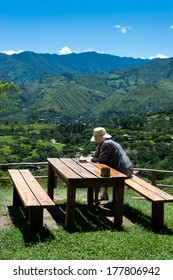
(105,153)
(97,153)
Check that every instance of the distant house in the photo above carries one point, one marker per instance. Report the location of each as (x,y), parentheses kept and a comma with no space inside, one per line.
(128,136)
(41,120)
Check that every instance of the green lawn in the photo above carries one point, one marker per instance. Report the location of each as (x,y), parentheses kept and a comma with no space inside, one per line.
(93,236)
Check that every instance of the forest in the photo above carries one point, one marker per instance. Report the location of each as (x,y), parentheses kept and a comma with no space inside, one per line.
(147,139)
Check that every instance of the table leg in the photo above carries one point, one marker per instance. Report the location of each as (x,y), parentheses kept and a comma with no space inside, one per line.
(118,201)
(51,182)
(90,197)
(70,207)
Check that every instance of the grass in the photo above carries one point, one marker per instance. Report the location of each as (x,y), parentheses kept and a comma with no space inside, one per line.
(93,236)
(56,145)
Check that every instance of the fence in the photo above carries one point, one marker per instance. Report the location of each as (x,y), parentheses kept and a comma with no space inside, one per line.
(154,175)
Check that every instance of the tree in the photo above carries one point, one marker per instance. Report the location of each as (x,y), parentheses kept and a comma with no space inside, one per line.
(8,96)
(44,152)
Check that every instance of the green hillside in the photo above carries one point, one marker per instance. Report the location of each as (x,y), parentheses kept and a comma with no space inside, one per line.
(63,97)
(140,100)
(91,97)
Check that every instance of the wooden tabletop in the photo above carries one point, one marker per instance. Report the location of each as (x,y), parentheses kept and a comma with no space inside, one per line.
(73,169)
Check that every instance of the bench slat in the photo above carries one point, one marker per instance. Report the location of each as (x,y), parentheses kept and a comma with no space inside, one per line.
(162,194)
(24,192)
(37,190)
(141,190)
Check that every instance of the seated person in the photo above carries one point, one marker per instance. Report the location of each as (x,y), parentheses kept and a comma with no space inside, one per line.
(110,153)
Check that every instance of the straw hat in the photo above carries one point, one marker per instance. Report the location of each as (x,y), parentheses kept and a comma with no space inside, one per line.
(100,132)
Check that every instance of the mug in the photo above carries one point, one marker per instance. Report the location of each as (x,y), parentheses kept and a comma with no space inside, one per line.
(105,172)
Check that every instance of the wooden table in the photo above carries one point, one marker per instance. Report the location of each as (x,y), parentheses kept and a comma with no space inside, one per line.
(85,175)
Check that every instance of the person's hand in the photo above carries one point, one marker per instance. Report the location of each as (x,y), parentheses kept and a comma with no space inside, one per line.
(98,148)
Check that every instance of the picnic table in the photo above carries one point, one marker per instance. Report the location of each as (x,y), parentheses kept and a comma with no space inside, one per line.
(78,174)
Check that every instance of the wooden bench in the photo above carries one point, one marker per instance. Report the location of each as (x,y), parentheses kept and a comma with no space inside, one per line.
(153,194)
(29,192)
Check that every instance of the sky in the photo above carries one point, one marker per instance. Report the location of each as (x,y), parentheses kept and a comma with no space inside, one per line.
(123,28)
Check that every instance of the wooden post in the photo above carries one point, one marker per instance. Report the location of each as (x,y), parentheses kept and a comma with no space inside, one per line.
(153,178)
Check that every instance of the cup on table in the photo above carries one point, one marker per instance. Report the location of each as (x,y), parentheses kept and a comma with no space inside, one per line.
(105,172)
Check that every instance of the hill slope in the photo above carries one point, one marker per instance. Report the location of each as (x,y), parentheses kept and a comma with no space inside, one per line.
(62,98)
(93,97)
(135,90)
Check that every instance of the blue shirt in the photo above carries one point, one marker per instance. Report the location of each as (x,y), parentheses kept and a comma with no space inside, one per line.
(112,154)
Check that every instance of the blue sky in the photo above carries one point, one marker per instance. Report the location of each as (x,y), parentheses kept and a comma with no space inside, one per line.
(124,28)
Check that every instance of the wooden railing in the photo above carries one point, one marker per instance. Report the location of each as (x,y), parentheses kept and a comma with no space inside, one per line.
(28,165)
(154,175)
(36,164)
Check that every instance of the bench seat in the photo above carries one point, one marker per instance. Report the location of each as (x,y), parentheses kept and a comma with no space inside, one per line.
(153,194)
(29,192)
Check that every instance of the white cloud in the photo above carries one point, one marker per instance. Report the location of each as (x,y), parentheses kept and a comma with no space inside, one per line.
(117,26)
(158,56)
(122,29)
(89,50)
(92,50)
(65,50)
(171,27)
(10,52)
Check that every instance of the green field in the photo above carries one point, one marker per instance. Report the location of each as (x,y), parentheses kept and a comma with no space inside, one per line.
(93,236)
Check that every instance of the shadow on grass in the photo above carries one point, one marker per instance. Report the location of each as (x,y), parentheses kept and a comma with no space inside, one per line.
(97,218)
(86,219)
(19,217)
(136,216)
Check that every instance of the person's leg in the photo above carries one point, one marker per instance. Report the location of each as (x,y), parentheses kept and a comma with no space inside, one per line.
(129,172)
(104,195)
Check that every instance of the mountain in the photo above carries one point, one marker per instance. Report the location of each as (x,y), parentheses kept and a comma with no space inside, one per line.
(98,97)
(30,66)
(137,90)
(61,98)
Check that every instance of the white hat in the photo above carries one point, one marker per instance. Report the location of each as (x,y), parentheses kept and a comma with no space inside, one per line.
(100,132)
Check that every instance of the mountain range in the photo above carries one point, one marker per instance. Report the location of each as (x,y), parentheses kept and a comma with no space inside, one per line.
(88,96)
(29,66)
